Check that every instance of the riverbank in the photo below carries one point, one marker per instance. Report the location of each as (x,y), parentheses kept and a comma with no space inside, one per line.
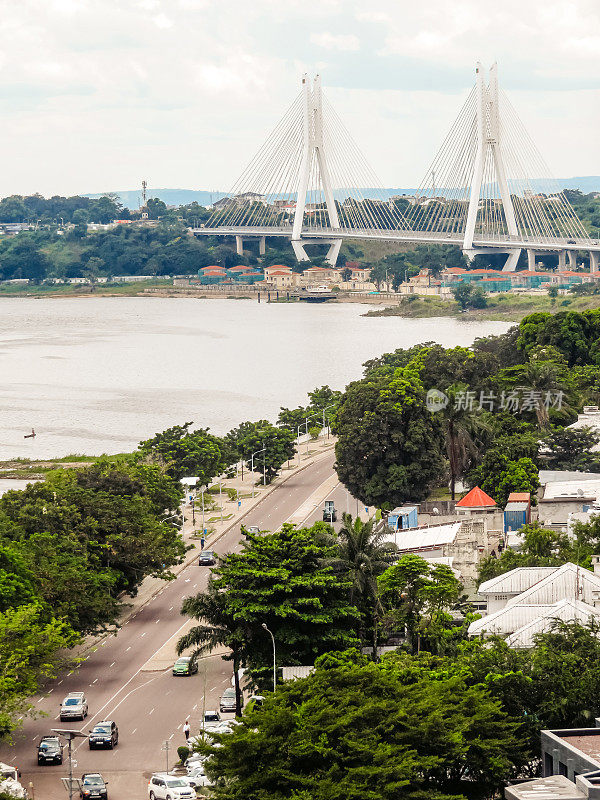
(505,307)
(133,289)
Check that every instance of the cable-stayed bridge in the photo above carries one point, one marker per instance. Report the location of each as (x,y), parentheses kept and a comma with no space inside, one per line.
(487,190)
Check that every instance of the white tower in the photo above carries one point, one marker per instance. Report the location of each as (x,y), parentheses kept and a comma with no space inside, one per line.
(489,140)
(314,149)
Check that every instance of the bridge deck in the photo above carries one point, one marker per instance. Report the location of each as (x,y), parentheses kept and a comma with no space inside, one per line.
(418,237)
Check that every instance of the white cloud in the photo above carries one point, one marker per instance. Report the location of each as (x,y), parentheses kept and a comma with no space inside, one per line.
(184,91)
(342,42)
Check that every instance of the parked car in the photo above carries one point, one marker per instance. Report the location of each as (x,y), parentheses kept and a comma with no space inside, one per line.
(196,778)
(104,734)
(227,701)
(206,558)
(252,529)
(163,786)
(185,666)
(50,750)
(93,785)
(74,706)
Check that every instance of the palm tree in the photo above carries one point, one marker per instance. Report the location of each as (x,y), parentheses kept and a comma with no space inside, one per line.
(217,628)
(363,554)
(461,425)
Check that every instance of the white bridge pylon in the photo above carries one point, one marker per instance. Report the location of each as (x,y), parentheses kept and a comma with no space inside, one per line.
(488,190)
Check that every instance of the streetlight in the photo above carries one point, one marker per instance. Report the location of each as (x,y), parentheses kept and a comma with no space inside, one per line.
(262,450)
(274,658)
(69,736)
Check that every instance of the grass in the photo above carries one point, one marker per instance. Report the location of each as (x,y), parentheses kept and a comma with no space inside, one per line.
(505,306)
(78,290)
(27,468)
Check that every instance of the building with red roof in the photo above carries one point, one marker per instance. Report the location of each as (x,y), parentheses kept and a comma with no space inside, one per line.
(476,502)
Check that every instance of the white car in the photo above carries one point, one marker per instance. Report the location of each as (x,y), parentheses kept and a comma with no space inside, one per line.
(163,786)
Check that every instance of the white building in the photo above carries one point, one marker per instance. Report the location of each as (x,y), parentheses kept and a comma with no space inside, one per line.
(526,600)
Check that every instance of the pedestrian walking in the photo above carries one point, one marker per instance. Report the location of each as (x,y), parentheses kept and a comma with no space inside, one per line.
(186,730)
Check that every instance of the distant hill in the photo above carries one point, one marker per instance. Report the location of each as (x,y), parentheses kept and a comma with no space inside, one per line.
(180,197)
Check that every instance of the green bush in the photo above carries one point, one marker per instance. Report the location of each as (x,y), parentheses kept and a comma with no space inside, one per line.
(183,753)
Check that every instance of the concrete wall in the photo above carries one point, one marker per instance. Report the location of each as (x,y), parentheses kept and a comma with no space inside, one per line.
(561,757)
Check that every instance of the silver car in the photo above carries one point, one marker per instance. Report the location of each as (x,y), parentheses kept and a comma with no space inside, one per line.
(74,706)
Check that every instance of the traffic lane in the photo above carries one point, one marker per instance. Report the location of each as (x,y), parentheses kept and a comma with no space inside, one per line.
(107,671)
(344,502)
(139,753)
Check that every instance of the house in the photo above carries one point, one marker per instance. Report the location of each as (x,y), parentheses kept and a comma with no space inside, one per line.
(465,542)
(476,502)
(570,767)
(316,275)
(526,600)
(566,493)
(281,276)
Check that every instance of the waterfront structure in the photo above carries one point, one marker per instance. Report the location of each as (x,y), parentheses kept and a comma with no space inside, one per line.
(304,185)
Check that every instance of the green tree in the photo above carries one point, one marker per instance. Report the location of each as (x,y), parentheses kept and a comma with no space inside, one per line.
(362,554)
(278,443)
(354,730)
(570,448)
(184,452)
(31,651)
(463,293)
(418,596)
(281,580)
(553,294)
(461,425)
(498,475)
(390,446)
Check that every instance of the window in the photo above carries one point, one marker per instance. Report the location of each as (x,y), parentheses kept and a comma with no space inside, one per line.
(562,769)
(548,765)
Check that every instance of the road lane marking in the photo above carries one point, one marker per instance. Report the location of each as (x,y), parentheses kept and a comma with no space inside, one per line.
(94,681)
(172,607)
(60,681)
(143,634)
(129,648)
(133,731)
(113,663)
(195,707)
(171,736)
(157,621)
(151,711)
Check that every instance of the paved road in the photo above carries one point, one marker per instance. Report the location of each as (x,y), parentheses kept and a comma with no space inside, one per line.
(149,707)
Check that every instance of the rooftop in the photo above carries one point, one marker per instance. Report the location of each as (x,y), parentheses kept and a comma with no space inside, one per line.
(476,498)
(425,538)
(555,787)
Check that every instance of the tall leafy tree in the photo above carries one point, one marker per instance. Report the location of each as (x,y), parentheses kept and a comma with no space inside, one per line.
(355,730)
(186,452)
(390,448)
(280,580)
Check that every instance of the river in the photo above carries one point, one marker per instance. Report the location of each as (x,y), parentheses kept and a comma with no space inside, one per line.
(96,375)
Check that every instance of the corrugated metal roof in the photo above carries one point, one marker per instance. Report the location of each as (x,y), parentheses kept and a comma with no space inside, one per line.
(568,581)
(516,506)
(547,475)
(507,620)
(516,581)
(424,538)
(567,610)
(404,510)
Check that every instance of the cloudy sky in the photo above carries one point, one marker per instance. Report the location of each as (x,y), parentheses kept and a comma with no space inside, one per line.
(98,94)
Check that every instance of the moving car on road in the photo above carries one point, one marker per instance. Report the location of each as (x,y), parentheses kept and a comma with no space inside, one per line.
(207,558)
(227,701)
(168,787)
(93,785)
(185,666)
(50,750)
(104,734)
(329,512)
(74,706)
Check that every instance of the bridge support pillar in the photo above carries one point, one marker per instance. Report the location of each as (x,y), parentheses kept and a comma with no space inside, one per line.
(332,253)
(239,245)
(262,245)
(511,262)
(562,259)
(531,260)
(594,259)
(572,259)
